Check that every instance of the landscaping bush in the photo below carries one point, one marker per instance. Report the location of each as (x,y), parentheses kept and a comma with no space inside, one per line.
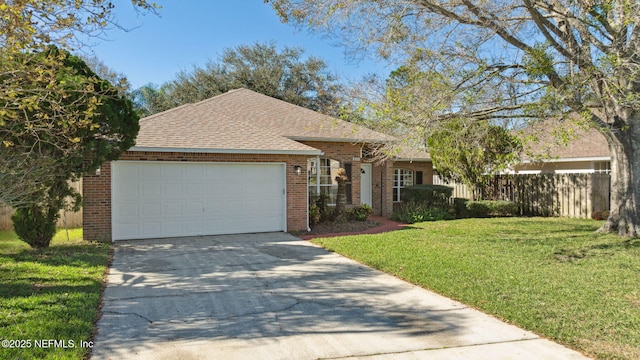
(486,208)
(433,196)
(360,213)
(314,214)
(460,208)
(319,211)
(412,212)
(35,226)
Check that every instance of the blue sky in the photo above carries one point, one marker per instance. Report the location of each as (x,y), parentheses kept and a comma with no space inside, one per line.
(189,33)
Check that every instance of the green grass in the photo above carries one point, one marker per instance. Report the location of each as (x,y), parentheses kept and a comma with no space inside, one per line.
(49,294)
(554,277)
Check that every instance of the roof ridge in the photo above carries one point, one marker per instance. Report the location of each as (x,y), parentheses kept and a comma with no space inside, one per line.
(201,102)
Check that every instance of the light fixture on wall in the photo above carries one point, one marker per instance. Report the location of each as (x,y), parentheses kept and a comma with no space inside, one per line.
(98,172)
(297,169)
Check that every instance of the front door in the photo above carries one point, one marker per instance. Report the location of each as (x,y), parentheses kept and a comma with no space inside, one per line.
(365,184)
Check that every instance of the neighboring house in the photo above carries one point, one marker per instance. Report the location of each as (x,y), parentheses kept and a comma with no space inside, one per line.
(586,152)
(239,162)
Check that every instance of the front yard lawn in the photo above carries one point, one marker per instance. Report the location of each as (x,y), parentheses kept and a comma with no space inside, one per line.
(554,277)
(49,299)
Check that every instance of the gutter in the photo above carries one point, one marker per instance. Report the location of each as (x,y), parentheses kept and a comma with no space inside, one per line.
(314,152)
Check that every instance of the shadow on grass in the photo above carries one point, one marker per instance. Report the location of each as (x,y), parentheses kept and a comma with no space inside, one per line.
(63,255)
(55,270)
(600,249)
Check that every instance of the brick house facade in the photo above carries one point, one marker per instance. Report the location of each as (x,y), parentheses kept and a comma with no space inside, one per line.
(217,131)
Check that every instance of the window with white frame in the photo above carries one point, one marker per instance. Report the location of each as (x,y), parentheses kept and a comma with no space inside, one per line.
(322,173)
(602,167)
(401,178)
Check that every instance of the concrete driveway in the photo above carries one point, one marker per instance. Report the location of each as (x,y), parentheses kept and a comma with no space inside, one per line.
(274,296)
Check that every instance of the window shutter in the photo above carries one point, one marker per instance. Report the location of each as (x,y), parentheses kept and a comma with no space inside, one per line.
(419,178)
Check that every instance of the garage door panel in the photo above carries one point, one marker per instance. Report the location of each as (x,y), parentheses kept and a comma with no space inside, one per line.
(194,190)
(172,191)
(259,207)
(127,209)
(234,206)
(172,173)
(194,208)
(173,209)
(233,172)
(149,171)
(150,209)
(154,199)
(130,191)
(213,225)
(172,228)
(150,229)
(213,207)
(232,188)
(150,190)
(193,173)
(126,228)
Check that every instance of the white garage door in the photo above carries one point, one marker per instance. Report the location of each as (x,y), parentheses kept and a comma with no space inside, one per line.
(163,199)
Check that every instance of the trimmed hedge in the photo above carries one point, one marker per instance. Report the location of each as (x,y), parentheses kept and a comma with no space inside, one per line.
(413,212)
(432,196)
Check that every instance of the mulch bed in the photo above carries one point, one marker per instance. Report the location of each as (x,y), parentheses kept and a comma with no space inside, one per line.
(341,227)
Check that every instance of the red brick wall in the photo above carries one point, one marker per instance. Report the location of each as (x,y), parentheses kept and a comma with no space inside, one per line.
(96,205)
(97,189)
(382,192)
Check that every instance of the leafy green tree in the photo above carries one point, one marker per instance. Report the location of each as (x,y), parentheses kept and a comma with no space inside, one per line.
(36,111)
(106,126)
(262,68)
(464,150)
(524,59)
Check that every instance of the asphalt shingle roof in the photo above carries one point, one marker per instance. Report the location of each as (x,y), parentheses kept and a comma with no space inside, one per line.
(584,143)
(244,120)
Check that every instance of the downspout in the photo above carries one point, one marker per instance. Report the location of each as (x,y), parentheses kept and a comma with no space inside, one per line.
(381,190)
(307,190)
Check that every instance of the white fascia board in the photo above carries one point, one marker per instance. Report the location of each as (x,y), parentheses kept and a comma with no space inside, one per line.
(593,158)
(226,151)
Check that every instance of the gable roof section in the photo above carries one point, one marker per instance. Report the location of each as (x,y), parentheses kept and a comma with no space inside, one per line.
(585,144)
(245,121)
(286,119)
(190,128)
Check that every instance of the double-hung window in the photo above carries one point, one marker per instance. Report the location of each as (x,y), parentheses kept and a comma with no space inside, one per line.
(322,173)
(401,178)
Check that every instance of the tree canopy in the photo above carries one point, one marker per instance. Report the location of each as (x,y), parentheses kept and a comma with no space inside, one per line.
(464,150)
(284,75)
(46,101)
(105,125)
(517,60)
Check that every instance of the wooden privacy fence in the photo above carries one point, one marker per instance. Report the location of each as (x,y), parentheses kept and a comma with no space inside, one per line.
(67,218)
(571,195)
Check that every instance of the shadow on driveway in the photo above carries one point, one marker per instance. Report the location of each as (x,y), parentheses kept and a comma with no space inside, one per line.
(272,296)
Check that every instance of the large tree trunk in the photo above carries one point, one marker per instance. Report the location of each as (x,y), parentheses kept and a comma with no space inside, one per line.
(624,215)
